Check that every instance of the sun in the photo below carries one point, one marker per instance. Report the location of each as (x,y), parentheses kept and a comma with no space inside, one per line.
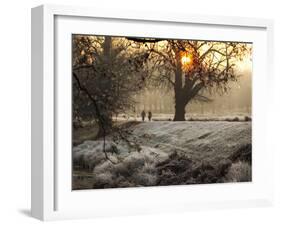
(186,59)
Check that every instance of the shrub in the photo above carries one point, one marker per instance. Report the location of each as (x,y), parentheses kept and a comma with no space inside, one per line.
(239,172)
(137,169)
(247,118)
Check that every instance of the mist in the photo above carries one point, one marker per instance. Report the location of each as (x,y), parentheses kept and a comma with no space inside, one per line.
(237,101)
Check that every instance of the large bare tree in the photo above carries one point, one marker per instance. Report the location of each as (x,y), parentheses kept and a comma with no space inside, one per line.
(193,67)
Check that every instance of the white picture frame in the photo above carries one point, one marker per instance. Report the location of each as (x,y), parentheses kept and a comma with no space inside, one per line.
(52,197)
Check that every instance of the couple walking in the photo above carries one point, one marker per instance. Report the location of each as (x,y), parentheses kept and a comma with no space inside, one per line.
(143,114)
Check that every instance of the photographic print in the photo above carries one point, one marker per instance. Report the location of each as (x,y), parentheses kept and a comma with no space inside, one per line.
(159,111)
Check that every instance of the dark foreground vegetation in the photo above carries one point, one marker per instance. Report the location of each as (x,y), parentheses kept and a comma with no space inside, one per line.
(220,153)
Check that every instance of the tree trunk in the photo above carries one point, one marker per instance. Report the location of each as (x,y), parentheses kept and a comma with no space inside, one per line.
(107,47)
(178,89)
(179,112)
(105,114)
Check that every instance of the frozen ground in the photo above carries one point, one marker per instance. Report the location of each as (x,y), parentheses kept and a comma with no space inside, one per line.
(238,116)
(197,140)
(169,153)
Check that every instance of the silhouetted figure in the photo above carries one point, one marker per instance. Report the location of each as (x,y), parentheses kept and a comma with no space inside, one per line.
(149,115)
(143,115)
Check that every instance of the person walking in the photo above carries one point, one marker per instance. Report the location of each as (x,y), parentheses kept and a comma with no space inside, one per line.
(143,115)
(149,115)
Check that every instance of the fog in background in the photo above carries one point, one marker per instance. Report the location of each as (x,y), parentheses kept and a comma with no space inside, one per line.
(237,101)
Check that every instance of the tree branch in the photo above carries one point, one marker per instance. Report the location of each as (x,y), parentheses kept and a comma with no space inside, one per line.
(98,113)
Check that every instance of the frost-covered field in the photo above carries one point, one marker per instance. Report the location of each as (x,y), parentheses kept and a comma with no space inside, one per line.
(190,152)
(189,117)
